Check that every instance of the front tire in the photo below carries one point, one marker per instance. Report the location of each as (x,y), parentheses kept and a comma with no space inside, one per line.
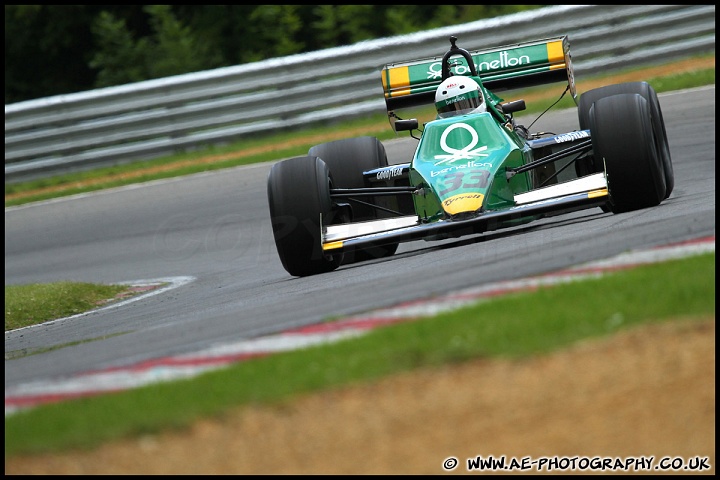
(298,194)
(347,159)
(646,91)
(624,139)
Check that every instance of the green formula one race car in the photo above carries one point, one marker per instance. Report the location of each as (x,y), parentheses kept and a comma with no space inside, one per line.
(474,169)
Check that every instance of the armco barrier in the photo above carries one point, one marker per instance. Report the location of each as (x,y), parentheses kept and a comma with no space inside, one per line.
(154,118)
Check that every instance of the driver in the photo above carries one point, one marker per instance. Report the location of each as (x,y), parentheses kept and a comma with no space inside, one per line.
(458,95)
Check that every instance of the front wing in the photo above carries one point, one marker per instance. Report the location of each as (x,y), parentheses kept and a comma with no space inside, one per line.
(585,192)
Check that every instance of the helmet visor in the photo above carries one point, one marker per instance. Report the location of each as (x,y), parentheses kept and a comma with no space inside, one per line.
(460,104)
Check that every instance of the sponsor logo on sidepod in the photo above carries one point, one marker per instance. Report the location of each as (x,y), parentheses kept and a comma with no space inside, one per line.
(389,173)
(571,136)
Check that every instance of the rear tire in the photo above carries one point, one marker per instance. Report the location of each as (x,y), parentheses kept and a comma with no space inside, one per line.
(298,194)
(643,89)
(624,138)
(347,159)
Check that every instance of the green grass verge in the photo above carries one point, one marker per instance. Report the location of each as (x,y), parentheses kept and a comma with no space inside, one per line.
(37,303)
(294,143)
(513,326)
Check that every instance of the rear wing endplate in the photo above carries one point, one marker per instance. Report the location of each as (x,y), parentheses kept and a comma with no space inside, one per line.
(411,84)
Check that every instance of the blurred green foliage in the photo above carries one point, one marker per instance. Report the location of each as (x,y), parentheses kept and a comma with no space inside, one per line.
(58,49)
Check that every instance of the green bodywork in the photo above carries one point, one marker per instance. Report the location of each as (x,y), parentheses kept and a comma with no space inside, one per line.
(465,157)
(461,162)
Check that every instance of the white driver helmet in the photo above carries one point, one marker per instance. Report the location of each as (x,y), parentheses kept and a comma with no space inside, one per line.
(458,95)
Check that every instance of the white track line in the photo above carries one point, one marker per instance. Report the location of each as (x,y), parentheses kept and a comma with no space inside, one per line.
(155,287)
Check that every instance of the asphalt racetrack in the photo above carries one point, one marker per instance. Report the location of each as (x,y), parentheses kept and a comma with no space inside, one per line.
(211,234)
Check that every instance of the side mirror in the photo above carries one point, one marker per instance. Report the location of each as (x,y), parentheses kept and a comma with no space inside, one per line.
(514,106)
(406,125)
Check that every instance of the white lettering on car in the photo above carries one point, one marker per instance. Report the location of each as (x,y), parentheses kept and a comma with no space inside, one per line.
(503,61)
(470,164)
(571,136)
(389,173)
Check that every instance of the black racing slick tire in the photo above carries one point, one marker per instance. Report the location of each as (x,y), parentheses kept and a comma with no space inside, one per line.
(624,139)
(298,195)
(347,159)
(643,89)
